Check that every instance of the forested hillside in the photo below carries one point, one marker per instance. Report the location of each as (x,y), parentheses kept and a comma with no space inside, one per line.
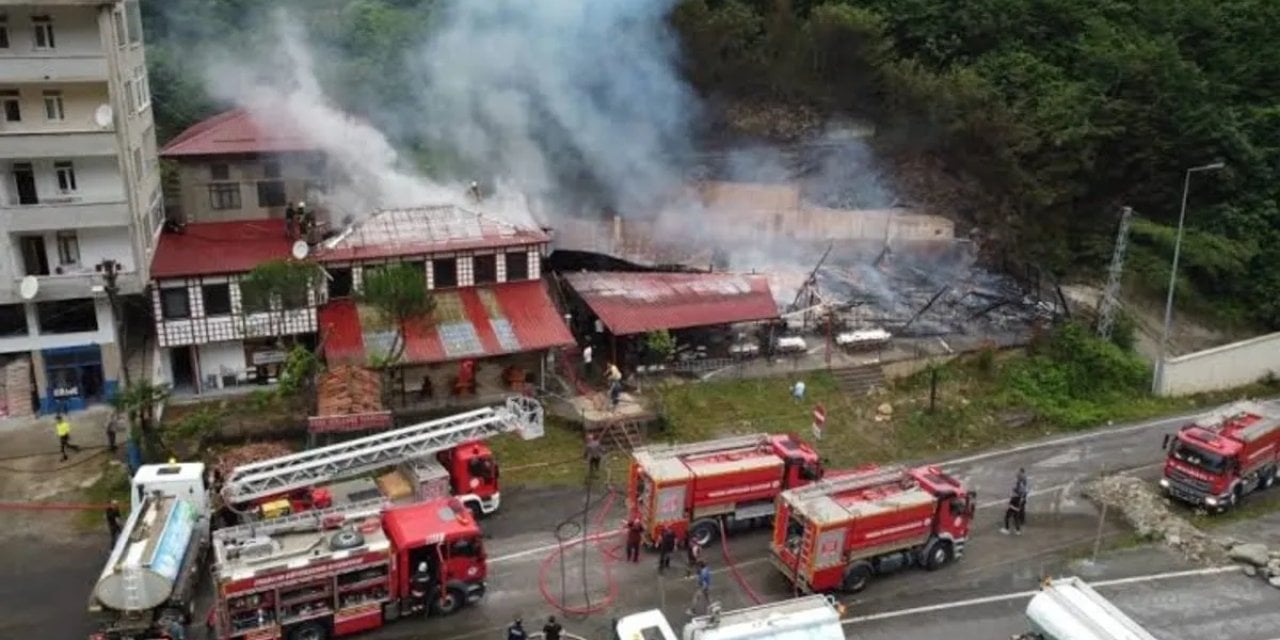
(1034,119)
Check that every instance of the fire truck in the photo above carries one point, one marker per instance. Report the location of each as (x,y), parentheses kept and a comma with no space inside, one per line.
(343,570)
(695,488)
(1230,452)
(835,535)
(446,455)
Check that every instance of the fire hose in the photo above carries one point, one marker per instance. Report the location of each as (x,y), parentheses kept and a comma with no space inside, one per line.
(733,567)
(565,531)
(51,506)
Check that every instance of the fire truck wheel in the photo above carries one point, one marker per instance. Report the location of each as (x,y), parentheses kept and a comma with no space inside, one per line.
(1268,478)
(704,531)
(309,631)
(448,602)
(345,539)
(936,554)
(856,577)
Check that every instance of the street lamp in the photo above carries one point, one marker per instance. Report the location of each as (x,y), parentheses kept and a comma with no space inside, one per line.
(1173,274)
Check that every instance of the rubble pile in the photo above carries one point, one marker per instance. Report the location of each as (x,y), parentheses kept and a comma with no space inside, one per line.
(1149,514)
(1256,560)
(249,453)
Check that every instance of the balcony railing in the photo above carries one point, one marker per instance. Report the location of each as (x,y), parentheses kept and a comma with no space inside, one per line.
(19,145)
(53,68)
(66,212)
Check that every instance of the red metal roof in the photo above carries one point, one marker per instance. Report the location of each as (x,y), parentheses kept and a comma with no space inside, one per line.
(217,248)
(469,322)
(629,303)
(424,230)
(236,132)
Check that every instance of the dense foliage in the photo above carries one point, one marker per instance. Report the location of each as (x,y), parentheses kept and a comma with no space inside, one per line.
(1039,118)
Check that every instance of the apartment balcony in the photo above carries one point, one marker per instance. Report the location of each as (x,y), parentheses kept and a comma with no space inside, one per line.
(66,212)
(56,144)
(48,68)
(79,284)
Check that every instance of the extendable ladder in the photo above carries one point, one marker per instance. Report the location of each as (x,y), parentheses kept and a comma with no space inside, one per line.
(843,484)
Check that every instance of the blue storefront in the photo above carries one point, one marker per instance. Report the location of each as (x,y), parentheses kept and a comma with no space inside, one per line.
(75,379)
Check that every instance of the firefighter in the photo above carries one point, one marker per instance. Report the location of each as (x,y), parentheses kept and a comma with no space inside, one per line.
(113,521)
(635,534)
(516,630)
(420,587)
(63,428)
(593,452)
(666,545)
(552,629)
(474,191)
(693,554)
(291,221)
(1013,515)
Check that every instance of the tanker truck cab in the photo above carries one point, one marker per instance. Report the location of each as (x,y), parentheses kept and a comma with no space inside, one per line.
(445,537)
(1217,460)
(183,480)
(474,476)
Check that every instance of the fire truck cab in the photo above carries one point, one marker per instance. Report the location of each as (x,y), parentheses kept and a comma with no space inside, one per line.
(695,488)
(1218,459)
(837,534)
(340,571)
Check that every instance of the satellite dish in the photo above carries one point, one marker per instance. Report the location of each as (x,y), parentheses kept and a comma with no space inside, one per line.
(103,115)
(29,288)
(301,249)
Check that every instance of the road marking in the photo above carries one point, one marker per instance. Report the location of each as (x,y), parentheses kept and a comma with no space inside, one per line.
(1028,594)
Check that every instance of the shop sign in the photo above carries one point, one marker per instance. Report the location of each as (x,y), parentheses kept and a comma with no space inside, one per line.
(260,358)
(66,392)
(351,422)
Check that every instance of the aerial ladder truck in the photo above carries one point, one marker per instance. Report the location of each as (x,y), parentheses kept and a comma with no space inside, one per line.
(436,458)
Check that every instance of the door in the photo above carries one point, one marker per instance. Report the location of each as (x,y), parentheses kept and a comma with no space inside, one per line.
(24,179)
(34,258)
(184,370)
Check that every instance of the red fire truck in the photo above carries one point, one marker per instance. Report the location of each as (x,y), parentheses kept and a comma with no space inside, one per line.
(447,451)
(339,571)
(838,533)
(1216,460)
(694,488)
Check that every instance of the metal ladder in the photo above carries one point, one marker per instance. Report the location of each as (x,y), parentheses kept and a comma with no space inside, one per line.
(132,579)
(710,446)
(306,521)
(802,556)
(848,483)
(521,414)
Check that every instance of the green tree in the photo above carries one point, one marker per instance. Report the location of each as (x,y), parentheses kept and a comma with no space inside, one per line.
(139,402)
(276,288)
(399,293)
(660,344)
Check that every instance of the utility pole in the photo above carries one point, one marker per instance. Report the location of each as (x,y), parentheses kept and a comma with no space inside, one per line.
(110,270)
(1111,295)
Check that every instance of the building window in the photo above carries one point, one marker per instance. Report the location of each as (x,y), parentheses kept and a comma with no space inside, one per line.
(67,316)
(219,171)
(13,320)
(315,168)
(43,27)
(486,269)
(122,34)
(35,260)
(134,13)
(224,196)
(271,193)
(340,283)
(217,299)
(66,173)
(271,169)
(24,182)
(517,265)
(53,111)
(444,272)
(68,248)
(140,87)
(175,303)
(4,32)
(12,105)
(139,169)
(128,94)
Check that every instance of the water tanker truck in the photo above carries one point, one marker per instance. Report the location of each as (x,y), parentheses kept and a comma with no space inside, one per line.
(811,617)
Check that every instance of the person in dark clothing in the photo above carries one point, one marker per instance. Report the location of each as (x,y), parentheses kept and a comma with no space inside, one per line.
(113,521)
(635,534)
(516,630)
(594,452)
(1013,517)
(291,221)
(552,629)
(666,545)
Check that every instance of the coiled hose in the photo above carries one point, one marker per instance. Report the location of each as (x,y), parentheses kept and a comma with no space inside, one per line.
(573,531)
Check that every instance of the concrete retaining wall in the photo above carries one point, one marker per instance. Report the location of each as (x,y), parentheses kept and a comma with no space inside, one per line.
(1231,365)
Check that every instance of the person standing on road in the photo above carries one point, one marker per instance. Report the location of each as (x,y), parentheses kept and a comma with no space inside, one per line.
(552,629)
(693,553)
(703,593)
(593,452)
(516,630)
(63,428)
(113,521)
(635,534)
(1021,489)
(666,545)
(1013,515)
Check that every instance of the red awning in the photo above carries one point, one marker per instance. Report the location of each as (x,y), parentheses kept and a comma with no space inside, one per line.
(630,303)
(470,322)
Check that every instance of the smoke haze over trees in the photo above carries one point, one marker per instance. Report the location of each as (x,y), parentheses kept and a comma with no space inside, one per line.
(1035,120)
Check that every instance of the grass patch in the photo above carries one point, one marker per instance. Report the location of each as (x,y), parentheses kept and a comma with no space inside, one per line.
(1253,506)
(555,459)
(113,484)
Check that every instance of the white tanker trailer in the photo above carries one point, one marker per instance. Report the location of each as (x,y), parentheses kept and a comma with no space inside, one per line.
(151,575)
(815,617)
(1069,609)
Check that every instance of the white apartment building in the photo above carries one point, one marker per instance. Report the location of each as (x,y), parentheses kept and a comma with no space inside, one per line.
(79,185)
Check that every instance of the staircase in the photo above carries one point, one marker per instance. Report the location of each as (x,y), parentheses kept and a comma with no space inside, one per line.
(623,434)
(859,380)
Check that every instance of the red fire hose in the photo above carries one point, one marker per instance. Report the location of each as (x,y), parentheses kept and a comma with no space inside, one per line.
(733,568)
(606,553)
(50,506)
